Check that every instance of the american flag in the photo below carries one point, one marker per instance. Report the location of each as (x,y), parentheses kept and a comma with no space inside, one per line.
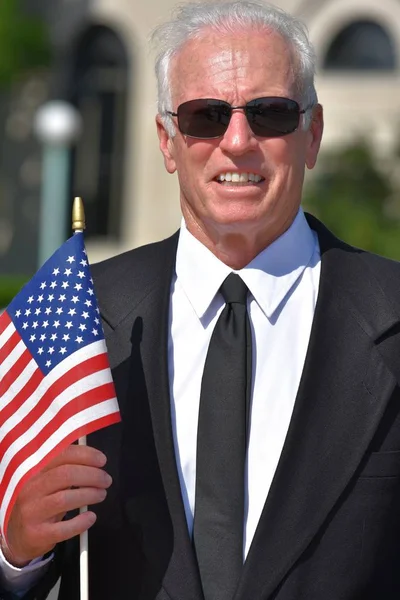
(55,379)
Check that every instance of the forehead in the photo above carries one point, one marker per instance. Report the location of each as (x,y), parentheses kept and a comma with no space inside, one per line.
(235,67)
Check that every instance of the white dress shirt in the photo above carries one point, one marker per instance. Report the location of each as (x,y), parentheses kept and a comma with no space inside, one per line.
(283,283)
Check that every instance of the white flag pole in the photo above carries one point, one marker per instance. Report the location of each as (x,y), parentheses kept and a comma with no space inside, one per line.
(78,226)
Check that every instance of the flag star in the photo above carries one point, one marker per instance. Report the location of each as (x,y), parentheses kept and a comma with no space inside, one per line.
(40,350)
(83,262)
(18,313)
(53,285)
(53,337)
(56,271)
(88,302)
(40,298)
(78,286)
(75,299)
(97,321)
(35,324)
(98,310)
(82,326)
(85,314)
(68,272)
(56,324)
(68,324)
(48,363)
(32,338)
(42,337)
(90,292)
(72,311)
(38,311)
(63,350)
(25,326)
(84,251)
(28,312)
(81,274)
(30,299)
(91,280)
(50,350)
(79,339)
(65,337)
(62,298)
(50,298)
(64,285)
(48,310)
(59,310)
(71,259)
(43,285)
(45,324)
(95,332)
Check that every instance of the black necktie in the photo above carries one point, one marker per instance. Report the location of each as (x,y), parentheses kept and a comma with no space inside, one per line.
(221,447)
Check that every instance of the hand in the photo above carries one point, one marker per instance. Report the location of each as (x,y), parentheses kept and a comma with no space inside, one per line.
(70,481)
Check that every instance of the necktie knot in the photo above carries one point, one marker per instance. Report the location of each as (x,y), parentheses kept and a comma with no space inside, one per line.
(234,289)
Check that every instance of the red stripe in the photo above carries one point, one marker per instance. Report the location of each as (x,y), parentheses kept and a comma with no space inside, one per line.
(81,402)
(72,437)
(9,346)
(31,385)
(15,371)
(87,367)
(4,321)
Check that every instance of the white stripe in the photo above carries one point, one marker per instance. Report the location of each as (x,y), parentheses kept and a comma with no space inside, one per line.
(7,333)
(85,417)
(66,365)
(18,384)
(73,391)
(11,359)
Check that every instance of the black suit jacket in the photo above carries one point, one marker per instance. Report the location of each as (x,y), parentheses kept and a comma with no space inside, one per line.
(330,528)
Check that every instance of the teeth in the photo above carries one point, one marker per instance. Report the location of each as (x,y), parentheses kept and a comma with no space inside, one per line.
(239,177)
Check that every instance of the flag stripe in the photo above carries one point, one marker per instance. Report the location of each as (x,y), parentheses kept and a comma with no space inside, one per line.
(9,340)
(18,393)
(4,323)
(68,365)
(47,408)
(111,416)
(15,369)
(28,449)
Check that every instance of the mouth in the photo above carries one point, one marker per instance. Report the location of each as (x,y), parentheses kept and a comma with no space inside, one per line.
(238,179)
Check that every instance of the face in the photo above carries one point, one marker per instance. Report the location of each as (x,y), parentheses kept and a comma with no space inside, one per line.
(237,69)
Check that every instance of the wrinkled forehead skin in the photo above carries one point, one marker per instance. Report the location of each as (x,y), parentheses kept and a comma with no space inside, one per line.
(227,58)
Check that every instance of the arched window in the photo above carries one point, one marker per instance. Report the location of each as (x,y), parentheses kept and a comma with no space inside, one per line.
(362,46)
(99,90)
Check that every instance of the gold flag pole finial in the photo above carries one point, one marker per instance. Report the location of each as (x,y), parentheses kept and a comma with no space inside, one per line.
(78,215)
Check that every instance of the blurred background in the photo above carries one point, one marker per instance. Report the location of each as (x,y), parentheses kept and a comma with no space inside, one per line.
(94,54)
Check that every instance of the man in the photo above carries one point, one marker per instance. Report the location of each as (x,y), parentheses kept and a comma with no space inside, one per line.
(299,476)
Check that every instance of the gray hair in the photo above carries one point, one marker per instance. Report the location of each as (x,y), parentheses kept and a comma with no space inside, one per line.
(226,16)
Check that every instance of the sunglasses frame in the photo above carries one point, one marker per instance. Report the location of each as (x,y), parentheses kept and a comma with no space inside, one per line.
(246,108)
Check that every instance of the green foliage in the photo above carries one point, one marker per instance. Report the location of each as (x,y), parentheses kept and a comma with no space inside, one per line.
(24,42)
(9,287)
(355,199)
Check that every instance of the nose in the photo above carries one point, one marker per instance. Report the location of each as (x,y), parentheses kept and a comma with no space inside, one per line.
(238,138)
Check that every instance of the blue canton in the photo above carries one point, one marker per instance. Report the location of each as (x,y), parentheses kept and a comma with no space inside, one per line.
(56,313)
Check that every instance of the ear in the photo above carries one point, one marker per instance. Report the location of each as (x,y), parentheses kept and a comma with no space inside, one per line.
(166,145)
(314,136)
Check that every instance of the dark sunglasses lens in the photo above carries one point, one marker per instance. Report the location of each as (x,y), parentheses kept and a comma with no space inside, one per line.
(204,118)
(273,117)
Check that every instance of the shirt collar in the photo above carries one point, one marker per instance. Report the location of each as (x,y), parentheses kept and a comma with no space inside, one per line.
(269,276)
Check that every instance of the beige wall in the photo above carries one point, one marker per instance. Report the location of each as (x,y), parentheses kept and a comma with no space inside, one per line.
(353,104)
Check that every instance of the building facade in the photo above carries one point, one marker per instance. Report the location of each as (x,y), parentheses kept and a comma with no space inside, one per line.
(105,68)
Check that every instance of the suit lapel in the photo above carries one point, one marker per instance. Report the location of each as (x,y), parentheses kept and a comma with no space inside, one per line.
(149,484)
(342,396)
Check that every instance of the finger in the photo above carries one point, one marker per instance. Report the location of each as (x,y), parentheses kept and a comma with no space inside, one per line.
(67,476)
(79,455)
(53,508)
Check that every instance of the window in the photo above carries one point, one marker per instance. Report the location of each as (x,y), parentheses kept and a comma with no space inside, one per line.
(99,90)
(363,46)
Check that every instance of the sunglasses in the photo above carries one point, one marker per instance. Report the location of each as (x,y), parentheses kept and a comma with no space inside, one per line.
(208,118)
